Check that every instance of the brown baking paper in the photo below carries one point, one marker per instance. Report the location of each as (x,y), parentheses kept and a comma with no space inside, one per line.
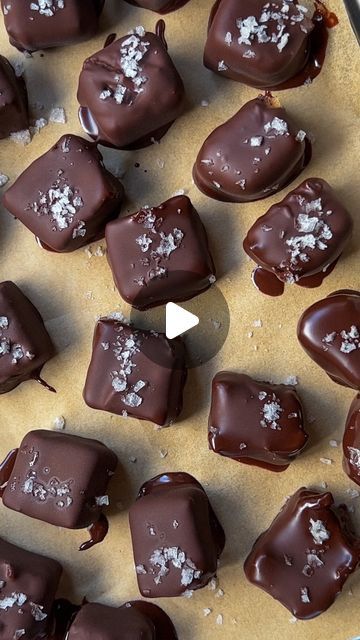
(72,290)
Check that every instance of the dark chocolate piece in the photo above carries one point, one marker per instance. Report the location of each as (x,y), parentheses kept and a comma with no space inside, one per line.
(66,196)
(351,442)
(177,538)
(305,557)
(255,422)
(25,345)
(60,478)
(107,623)
(329,331)
(130,92)
(299,239)
(40,24)
(253,155)
(160,254)
(160,6)
(13,101)
(28,583)
(140,374)
(260,44)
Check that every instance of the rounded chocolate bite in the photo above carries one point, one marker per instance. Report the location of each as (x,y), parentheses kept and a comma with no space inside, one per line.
(160,254)
(60,478)
(254,422)
(253,155)
(66,196)
(13,101)
(329,331)
(25,345)
(100,621)
(160,6)
(351,442)
(134,373)
(177,538)
(257,43)
(130,92)
(300,239)
(306,555)
(41,24)
(28,584)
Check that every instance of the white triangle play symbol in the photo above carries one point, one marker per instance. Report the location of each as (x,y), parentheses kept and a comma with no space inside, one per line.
(178,320)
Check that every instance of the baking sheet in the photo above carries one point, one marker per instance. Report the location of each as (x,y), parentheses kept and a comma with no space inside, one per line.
(72,290)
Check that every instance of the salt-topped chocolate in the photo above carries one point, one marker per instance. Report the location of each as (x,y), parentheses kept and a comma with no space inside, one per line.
(253,155)
(160,254)
(130,92)
(14,115)
(160,6)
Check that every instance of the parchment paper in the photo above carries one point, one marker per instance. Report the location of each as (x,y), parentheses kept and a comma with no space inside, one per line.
(71,290)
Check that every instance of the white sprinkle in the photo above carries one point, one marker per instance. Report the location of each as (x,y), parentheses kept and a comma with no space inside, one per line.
(318,531)
(304,591)
(57,115)
(333,443)
(257,323)
(59,423)
(300,136)
(3,180)
(207,612)
(219,619)
(256,141)
(222,66)
(21,137)
(326,461)
(279,126)
(102,501)
(292,381)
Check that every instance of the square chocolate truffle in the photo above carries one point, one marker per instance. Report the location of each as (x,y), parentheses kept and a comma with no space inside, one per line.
(261,44)
(305,557)
(40,24)
(177,538)
(329,331)
(300,239)
(253,155)
(28,584)
(66,196)
(13,101)
(60,478)
(255,422)
(140,374)
(25,345)
(107,623)
(161,6)
(130,92)
(160,254)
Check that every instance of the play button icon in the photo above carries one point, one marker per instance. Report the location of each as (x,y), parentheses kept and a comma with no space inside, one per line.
(178,320)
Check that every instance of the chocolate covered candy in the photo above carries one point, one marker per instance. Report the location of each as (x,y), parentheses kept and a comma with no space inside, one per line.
(13,101)
(177,538)
(60,478)
(253,155)
(258,43)
(66,196)
(28,584)
(136,620)
(130,92)
(25,345)
(40,24)
(255,422)
(160,254)
(305,557)
(161,6)
(329,331)
(299,239)
(140,374)
(351,442)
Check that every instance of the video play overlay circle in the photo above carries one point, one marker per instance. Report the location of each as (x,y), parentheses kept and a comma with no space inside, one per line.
(202,342)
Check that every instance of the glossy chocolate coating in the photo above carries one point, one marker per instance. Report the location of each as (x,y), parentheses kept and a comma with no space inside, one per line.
(305,557)
(160,254)
(264,52)
(25,345)
(98,621)
(329,331)
(29,583)
(351,442)
(66,196)
(177,538)
(57,478)
(31,29)
(301,236)
(160,6)
(230,167)
(140,374)
(127,104)
(13,101)
(255,422)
